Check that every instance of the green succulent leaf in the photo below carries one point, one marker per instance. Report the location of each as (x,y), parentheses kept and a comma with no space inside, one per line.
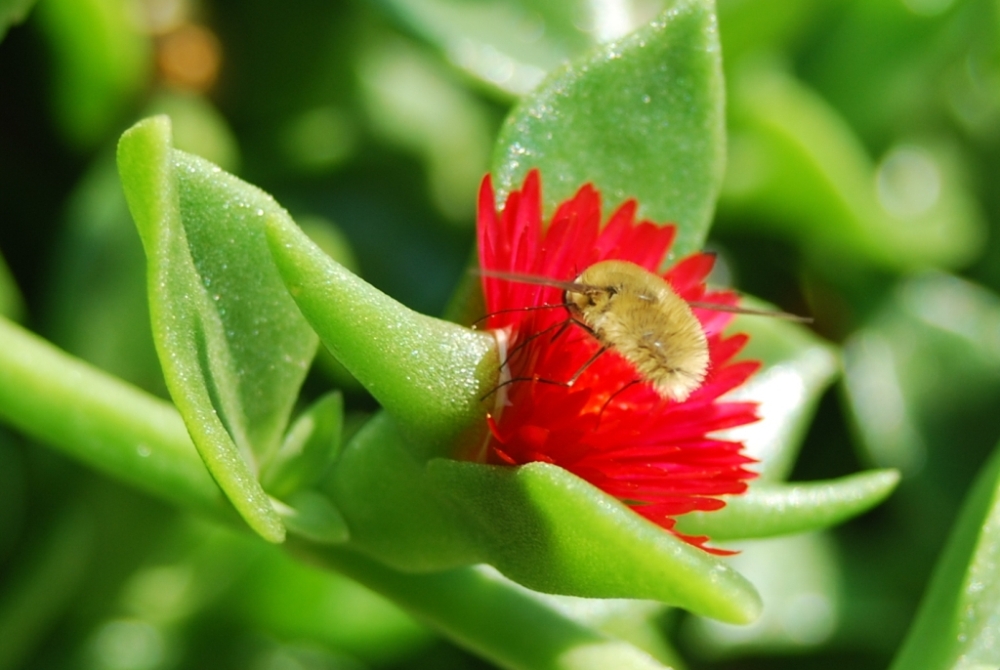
(311,445)
(768,510)
(98,306)
(394,514)
(507,45)
(796,165)
(904,408)
(957,624)
(233,345)
(427,373)
(800,579)
(11,302)
(13,12)
(641,117)
(100,62)
(797,368)
(553,532)
(311,515)
(538,524)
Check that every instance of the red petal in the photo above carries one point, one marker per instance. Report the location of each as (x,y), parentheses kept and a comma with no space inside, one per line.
(690,272)
(621,436)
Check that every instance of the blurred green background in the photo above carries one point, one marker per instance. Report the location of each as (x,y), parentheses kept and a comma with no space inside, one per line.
(864,140)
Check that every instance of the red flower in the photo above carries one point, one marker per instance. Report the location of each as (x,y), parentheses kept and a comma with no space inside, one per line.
(657,455)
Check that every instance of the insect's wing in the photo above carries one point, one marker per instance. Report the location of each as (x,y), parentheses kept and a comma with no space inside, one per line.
(735,309)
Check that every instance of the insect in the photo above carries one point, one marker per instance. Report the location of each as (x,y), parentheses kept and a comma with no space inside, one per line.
(638,314)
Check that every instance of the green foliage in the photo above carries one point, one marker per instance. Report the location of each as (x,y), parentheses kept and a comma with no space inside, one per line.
(233,359)
(429,374)
(775,509)
(101,420)
(100,63)
(956,624)
(795,161)
(553,532)
(639,118)
(861,137)
(11,302)
(13,12)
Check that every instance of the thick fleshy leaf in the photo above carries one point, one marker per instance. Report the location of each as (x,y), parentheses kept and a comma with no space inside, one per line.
(308,450)
(553,532)
(798,368)
(413,102)
(100,60)
(509,45)
(958,623)
(800,582)
(909,415)
(198,127)
(767,510)
(427,373)
(11,302)
(393,513)
(97,306)
(233,345)
(640,118)
(311,515)
(538,524)
(796,166)
(13,12)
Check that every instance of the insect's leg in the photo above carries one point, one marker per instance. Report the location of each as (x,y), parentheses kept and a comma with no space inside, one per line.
(524,379)
(586,365)
(520,346)
(567,383)
(517,309)
(527,340)
(562,328)
(613,396)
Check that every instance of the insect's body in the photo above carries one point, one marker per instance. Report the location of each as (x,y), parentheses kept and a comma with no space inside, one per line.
(638,314)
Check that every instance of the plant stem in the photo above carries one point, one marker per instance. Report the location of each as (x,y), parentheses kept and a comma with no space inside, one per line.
(483,611)
(102,421)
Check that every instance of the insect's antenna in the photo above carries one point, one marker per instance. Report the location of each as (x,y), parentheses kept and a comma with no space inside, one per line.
(734,309)
(572,287)
(519,309)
